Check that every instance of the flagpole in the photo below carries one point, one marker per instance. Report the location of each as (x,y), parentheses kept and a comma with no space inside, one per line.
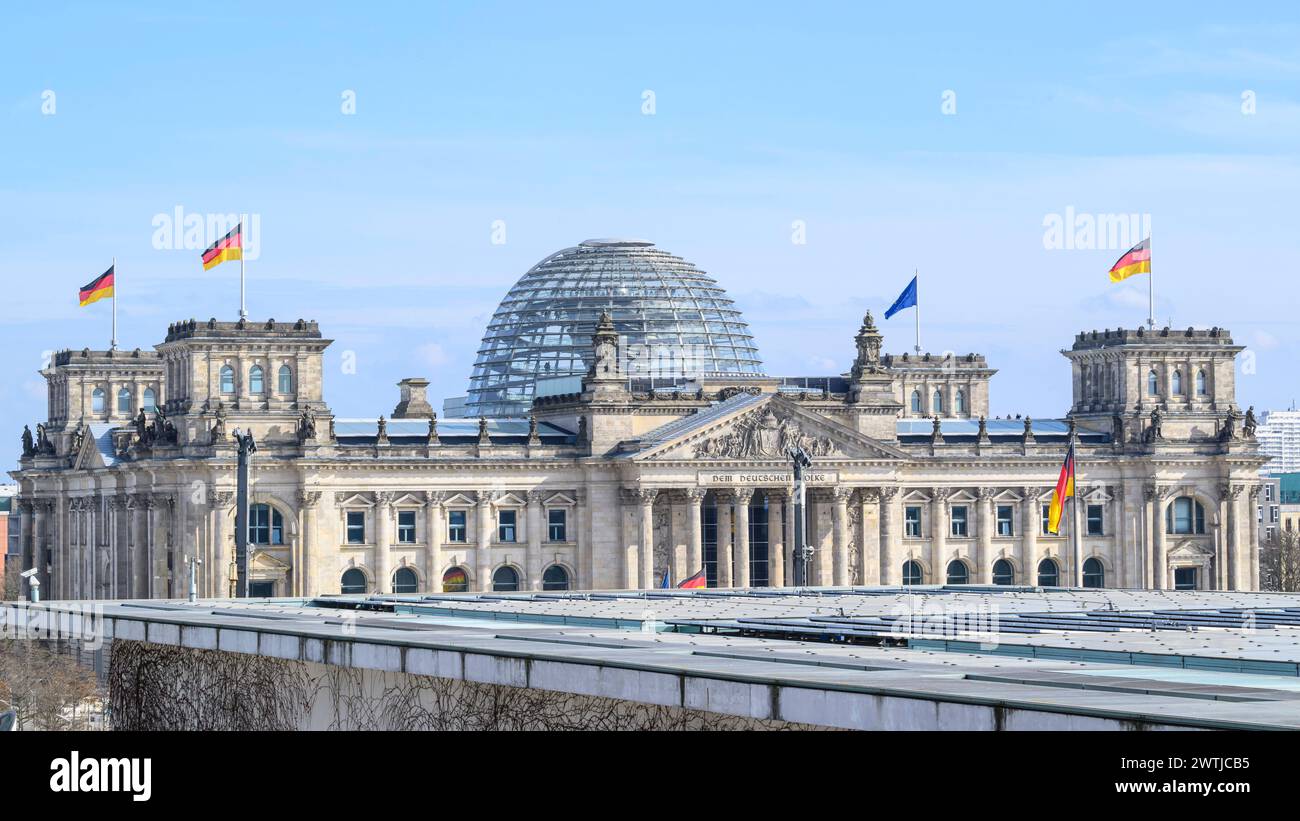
(917,276)
(1151,290)
(112,345)
(243,310)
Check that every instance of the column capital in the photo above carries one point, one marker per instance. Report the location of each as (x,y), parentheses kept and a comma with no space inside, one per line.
(986,493)
(536,497)
(384,498)
(646,496)
(487,497)
(842,494)
(308,498)
(743,495)
(871,494)
(434,498)
(696,494)
(220,498)
(888,492)
(1032,493)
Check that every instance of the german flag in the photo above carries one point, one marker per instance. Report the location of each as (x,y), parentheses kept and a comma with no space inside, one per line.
(1136,260)
(231,246)
(100,287)
(699,580)
(1064,490)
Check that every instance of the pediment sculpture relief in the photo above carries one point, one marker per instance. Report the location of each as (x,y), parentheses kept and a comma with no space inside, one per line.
(764,435)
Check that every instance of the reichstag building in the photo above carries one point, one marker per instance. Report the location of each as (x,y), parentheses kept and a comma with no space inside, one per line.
(619,431)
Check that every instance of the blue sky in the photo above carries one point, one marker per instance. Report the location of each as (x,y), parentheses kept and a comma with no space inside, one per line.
(379,223)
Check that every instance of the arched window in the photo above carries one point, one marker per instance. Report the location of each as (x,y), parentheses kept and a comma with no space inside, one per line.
(227,379)
(124,401)
(1201,388)
(1178,383)
(505,580)
(285,379)
(1185,516)
(265,525)
(405,581)
(256,384)
(150,400)
(1094,575)
(916,401)
(97,401)
(912,573)
(959,403)
(936,405)
(1003,572)
(455,580)
(1153,383)
(555,578)
(353,581)
(1049,574)
(958,573)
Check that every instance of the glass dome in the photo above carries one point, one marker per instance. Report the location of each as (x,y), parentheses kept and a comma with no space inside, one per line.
(673,320)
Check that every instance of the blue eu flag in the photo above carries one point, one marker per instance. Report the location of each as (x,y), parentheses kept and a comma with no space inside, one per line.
(907,299)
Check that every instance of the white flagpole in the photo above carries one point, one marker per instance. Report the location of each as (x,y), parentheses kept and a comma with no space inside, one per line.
(243,310)
(917,276)
(112,346)
(1151,290)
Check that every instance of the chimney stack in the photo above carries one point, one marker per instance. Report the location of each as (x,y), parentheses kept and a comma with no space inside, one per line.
(415,400)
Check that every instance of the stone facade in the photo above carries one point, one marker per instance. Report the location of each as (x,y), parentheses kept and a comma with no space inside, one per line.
(612,487)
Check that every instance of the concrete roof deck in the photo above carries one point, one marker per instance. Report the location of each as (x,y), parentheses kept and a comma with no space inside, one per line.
(1213,677)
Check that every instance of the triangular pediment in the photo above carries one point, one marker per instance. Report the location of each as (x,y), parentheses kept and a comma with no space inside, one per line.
(1190,549)
(764,430)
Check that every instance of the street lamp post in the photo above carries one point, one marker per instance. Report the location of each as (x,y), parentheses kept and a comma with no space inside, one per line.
(802,552)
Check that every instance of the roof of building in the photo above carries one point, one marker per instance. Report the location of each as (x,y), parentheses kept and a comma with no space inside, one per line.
(450,431)
(1170,658)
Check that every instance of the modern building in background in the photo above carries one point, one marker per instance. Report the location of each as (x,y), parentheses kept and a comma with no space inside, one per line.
(614,475)
(10,557)
(1279,439)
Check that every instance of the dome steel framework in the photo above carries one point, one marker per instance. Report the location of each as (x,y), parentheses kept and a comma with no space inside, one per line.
(674,321)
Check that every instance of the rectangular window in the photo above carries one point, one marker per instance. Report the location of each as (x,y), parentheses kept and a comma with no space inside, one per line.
(1268,534)
(557,525)
(406,526)
(1005,527)
(506,526)
(959,521)
(1047,518)
(1272,513)
(1268,493)
(912,522)
(1094,520)
(356,527)
(456,531)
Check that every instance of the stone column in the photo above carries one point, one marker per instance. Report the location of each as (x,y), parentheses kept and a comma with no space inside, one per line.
(694,530)
(775,538)
(939,526)
(433,534)
(722,499)
(790,557)
(871,558)
(1237,574)
(1252,507)
(891,566)
(534,556)
(218,503)
(740,552)
(984,538)
(1160,559)
(840,535)
(483,560)
(310,578)
(1032,523)
(646,537)
(383,539)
